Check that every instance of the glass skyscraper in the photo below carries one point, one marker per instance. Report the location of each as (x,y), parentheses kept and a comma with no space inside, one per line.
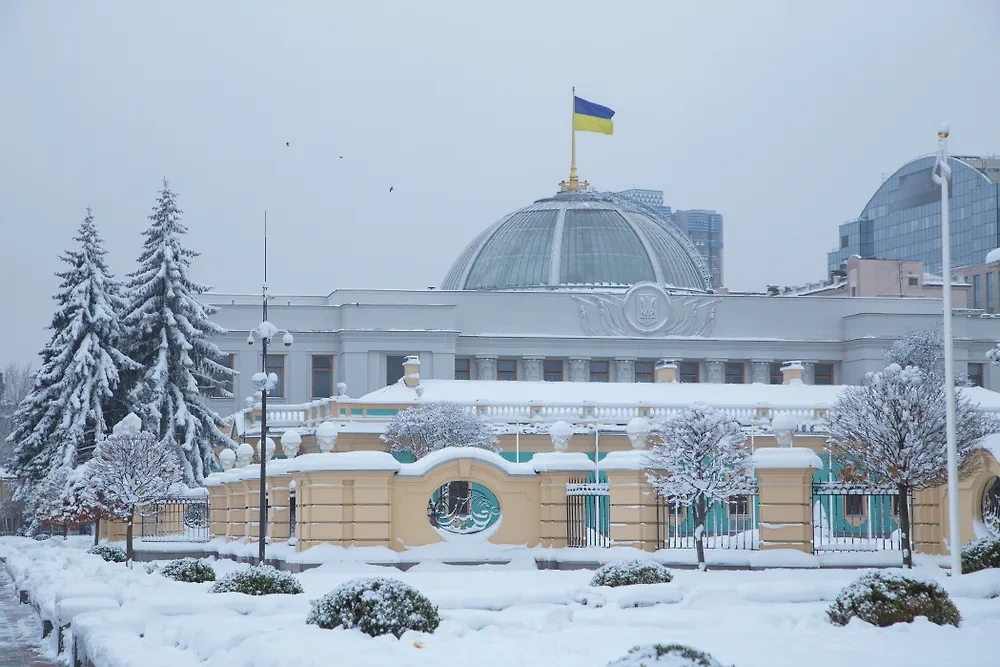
(902,220)
(704,228)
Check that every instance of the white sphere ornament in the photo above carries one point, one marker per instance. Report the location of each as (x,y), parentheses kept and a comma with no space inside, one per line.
(560,432)
(227,459)
(326,436)
(290,443)
(638,430)
(244,453)
(269,447)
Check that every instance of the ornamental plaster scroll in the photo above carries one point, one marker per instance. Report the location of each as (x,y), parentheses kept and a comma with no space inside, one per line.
(647,310)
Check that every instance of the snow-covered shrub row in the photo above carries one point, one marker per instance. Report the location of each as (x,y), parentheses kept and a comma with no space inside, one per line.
(665,655)
(376,606)
(885,598)
(191,570)
(258,580)
(108,552)
(630,573)
(981,554)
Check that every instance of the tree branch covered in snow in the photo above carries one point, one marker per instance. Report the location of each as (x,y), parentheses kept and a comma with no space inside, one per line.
(433,426)
(923,348)
(169,327)
(699,455)
(891,430)
(64,413)
(66,498)
(129,470)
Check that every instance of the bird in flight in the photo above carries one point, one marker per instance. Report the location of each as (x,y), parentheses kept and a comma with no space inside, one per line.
(288,143)
(391,188)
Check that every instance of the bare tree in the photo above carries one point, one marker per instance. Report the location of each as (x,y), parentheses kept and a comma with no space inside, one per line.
(15,383)
(891,431)
(698,455)
(131,469)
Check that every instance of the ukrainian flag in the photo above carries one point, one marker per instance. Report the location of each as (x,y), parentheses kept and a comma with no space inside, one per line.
(590,117)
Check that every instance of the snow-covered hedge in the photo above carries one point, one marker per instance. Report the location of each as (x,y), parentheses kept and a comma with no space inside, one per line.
(258,580)
(665,655)
(886,598)
(376,606)
(191,570)
(630,573)
(108,552)
(981,554)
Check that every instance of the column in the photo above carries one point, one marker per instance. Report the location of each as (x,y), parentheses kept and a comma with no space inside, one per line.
(716,371)
(237,508)
(532,368)
(579,369)
(624,370)
(760,371)
(251,489)
(784,478)
(927,520)
(486,367)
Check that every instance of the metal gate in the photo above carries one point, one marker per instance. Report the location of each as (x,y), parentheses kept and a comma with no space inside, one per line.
(855,517)
(730,524)
(175,520)
(588,514)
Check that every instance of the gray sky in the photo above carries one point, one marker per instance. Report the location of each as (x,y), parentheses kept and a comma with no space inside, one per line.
(781,115)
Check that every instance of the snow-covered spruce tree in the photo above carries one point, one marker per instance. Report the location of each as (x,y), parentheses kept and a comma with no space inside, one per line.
(64,498)
(169,328)
(923,348)
(698,455)
(891,431)
(64,412)
(433,426)
(131,469)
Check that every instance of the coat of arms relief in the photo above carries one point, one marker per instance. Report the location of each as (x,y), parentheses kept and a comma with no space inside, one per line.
(647,309)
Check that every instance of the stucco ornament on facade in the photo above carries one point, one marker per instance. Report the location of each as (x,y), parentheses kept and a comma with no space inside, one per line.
(326,437)
(560,432)
(649,310)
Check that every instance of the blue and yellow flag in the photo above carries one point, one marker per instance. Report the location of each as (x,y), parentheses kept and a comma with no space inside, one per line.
(590,117)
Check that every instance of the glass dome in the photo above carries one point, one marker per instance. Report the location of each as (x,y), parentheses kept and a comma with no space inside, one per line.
(575,240)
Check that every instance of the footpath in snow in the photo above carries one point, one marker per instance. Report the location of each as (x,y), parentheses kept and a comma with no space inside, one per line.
(492,616)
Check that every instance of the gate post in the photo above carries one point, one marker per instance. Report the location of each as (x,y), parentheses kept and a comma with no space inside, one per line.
(278,500)
(217,506)
(555,469)
(784,477)
(633,501)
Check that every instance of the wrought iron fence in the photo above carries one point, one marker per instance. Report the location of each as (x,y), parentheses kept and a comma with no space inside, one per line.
(855,517)
(175,520)
(291,513)
(731,524)
(588,514)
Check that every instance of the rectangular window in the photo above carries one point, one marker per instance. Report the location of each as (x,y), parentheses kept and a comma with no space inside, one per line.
(912,281)
(394,368)
(734,372)
(322,376)
(823,374)
(977,297)
(220,387)
(275,363)
(644,371)
(507,369)
(976,374)
(776,377)
(463,369)
(552,370)
(844,241)
(990,307)
(689,371)
(600,371)
(854,505)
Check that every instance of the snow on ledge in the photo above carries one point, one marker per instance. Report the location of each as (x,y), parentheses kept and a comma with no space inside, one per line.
(632,459)
(447,454)
(786,457)
(344,461)
(561,462)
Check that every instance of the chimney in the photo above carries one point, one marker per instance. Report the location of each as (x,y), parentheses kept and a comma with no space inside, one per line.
(411,370)
(666,370)
(791,371)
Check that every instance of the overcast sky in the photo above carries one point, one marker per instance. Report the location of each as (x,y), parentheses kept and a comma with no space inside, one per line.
(783,116)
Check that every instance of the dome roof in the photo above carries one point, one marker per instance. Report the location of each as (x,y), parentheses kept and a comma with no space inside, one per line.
(577,239)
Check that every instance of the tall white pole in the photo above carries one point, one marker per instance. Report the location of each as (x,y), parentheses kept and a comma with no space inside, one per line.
(941,174)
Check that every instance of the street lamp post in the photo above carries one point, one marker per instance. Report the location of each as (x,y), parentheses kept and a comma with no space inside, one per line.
(941,175)
(264,382)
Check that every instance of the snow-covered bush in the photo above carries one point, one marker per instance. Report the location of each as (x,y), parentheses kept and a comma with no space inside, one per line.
(665,655)
(885,598)
(41,537)
(981,554)
(630,573)
(258,580)
(191,570)
(376,606)
(433,426)
(108,552)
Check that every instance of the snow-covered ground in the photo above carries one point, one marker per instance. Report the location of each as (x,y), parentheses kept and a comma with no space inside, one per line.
(499,616)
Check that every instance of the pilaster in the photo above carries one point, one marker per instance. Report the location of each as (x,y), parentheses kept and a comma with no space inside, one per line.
(624,370)
(486,367)
(715,371)
(579,369)
(532,368)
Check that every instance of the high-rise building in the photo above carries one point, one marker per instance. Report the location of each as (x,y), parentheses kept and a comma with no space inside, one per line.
(902,220)
(703,227)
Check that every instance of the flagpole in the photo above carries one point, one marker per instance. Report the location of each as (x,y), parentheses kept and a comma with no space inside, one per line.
(572,125)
